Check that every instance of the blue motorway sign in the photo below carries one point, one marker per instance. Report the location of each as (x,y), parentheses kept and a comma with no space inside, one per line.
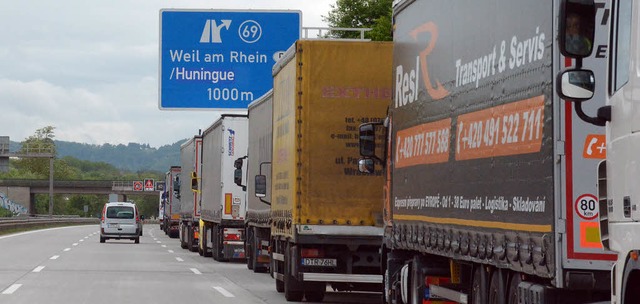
(221,59)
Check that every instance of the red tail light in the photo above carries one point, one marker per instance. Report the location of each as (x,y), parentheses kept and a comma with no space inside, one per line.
(311,253)
(232,235)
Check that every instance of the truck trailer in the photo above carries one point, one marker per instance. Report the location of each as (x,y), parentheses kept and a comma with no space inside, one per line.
(223,204)
(171,217)
(258,163)
(325,215)
(490,193)
(619,85)
(190,159)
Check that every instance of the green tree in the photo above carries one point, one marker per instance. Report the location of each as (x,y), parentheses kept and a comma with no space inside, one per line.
(374,14)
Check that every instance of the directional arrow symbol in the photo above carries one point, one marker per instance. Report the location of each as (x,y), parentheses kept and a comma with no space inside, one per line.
(211,31)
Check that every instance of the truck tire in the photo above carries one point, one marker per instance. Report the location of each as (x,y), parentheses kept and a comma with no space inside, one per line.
(102,240)
(248,250)
(137,240)
(293,290)
(279,286)
(512,296)
(479,292)
(205,244)
(256,266)
(497,288)
(630,292)
(314,292)
(190,239)
(274,270)
(183,243)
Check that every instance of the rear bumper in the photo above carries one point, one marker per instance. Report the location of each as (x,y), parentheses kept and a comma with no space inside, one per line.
(233,249)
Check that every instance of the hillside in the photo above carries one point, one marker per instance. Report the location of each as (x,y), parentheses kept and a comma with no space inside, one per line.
(131,157)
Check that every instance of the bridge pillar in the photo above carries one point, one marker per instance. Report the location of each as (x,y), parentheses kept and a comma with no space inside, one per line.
(16,199)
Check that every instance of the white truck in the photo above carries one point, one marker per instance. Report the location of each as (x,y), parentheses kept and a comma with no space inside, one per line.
(258,163)
(223,204)
(619,86)
(190,159)
(491,178)
(171,199)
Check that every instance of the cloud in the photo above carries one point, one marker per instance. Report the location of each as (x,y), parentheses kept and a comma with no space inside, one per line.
(90,68)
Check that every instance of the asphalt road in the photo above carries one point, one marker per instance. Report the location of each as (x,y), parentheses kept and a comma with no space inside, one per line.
(69,265)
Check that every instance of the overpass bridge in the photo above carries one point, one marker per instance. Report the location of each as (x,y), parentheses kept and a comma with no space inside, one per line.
(19,195)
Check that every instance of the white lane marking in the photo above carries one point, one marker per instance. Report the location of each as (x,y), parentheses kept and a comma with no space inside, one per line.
(86,237)
(155,239)
(11,289)
(75,244)
(224,292)
(195,270)
(81,240)
(170,251)
(179,260)
(54,257)
(38,269)
(36,231)
(66,249)
(163,246)
(158,242)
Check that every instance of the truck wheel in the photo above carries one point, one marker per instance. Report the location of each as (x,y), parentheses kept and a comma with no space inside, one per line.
(497,288)
(137,240)
(630,291)
(292,288)
(314,292)
(102,240)
(479,285)
(512,297)
(274,270)
(183,244)
(190,239)
(205,243)
(248,250)
(256,244)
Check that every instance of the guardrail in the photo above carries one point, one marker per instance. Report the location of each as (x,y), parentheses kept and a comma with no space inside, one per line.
(30,222)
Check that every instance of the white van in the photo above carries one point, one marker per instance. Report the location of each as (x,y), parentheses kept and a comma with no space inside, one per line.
(120,220)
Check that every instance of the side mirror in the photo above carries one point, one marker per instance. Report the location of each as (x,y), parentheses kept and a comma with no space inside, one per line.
(176,185)
(366,165)
(237,177)
(577,28)
(194,181)
(261,185)
(577,85)
(367,140)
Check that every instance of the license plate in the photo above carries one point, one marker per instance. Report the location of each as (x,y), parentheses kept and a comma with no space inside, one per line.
(114,226)
(319,262)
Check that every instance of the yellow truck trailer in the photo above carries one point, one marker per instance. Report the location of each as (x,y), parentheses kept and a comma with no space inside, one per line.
(326,217)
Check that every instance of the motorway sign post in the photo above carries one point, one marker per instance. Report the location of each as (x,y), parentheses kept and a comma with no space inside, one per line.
(220,59)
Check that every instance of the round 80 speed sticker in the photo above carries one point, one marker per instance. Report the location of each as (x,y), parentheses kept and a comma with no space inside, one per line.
(587,206)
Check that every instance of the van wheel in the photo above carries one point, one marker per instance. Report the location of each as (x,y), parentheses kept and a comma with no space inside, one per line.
(137,240)
(102,240)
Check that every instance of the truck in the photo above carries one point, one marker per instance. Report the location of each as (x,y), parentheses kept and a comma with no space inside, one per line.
(325,216)
(223,204)
(190,160)
(171,202)
(618,85)
(258,163)
(490,191)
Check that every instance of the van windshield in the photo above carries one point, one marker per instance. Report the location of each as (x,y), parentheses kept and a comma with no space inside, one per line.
(120,212)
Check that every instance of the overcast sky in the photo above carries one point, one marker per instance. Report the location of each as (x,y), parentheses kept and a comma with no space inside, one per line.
(90,68)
